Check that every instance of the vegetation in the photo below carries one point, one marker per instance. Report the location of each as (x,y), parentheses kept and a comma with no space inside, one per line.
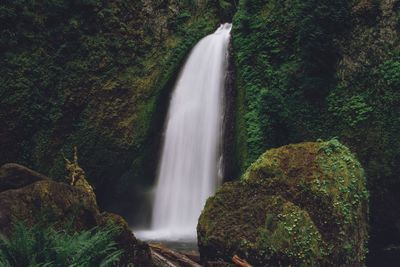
(41,246)
(96,75)
(323,69)
(283,79)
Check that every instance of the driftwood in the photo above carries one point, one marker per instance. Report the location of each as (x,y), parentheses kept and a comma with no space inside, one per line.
(76,173)
(165,257)
(161,261)
(169,258)
(194,256)
(240,262)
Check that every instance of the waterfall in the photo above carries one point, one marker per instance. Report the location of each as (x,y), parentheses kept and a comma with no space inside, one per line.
(191,155)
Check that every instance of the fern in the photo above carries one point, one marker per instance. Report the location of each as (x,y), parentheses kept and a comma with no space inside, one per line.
(42,246)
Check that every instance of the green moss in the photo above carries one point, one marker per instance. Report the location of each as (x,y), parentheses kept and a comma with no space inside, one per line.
(301,205)
(281,77)
(319,69)
(295,236)
(96,75)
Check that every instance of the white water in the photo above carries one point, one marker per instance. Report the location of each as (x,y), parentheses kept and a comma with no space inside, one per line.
(188,173)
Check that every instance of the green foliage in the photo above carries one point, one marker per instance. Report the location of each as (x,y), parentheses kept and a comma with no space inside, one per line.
(41,246)
(295,236)
(352,111)
(93,74)
(390,71)
(180,19)
(285,76)
(333,69)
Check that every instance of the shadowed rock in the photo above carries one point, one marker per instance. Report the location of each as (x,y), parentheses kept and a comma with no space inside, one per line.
(13,176)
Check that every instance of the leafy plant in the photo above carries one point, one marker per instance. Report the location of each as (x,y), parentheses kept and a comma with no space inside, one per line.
(45,246)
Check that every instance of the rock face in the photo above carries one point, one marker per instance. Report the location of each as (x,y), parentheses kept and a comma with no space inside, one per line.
(28,196)
(298,205)
(105,95)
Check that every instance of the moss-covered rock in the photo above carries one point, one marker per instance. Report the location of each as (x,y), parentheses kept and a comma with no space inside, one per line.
(135,251)
(57,201)
(298,205)
(64,206)
(14,176)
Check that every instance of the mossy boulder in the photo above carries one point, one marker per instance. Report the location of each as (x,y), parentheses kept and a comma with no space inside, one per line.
(298,205)
(15,176)
(58,202)
(135,251)
(33,198)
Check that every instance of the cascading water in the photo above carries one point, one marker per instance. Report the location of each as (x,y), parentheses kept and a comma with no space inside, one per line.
(188,172)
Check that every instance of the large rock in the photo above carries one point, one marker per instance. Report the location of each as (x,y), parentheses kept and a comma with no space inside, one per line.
(58,202)
(298,205)
(14,176)
(135,251)
(28,196)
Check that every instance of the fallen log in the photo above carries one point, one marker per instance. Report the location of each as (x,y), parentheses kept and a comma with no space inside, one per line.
(172,257)
(161,261)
